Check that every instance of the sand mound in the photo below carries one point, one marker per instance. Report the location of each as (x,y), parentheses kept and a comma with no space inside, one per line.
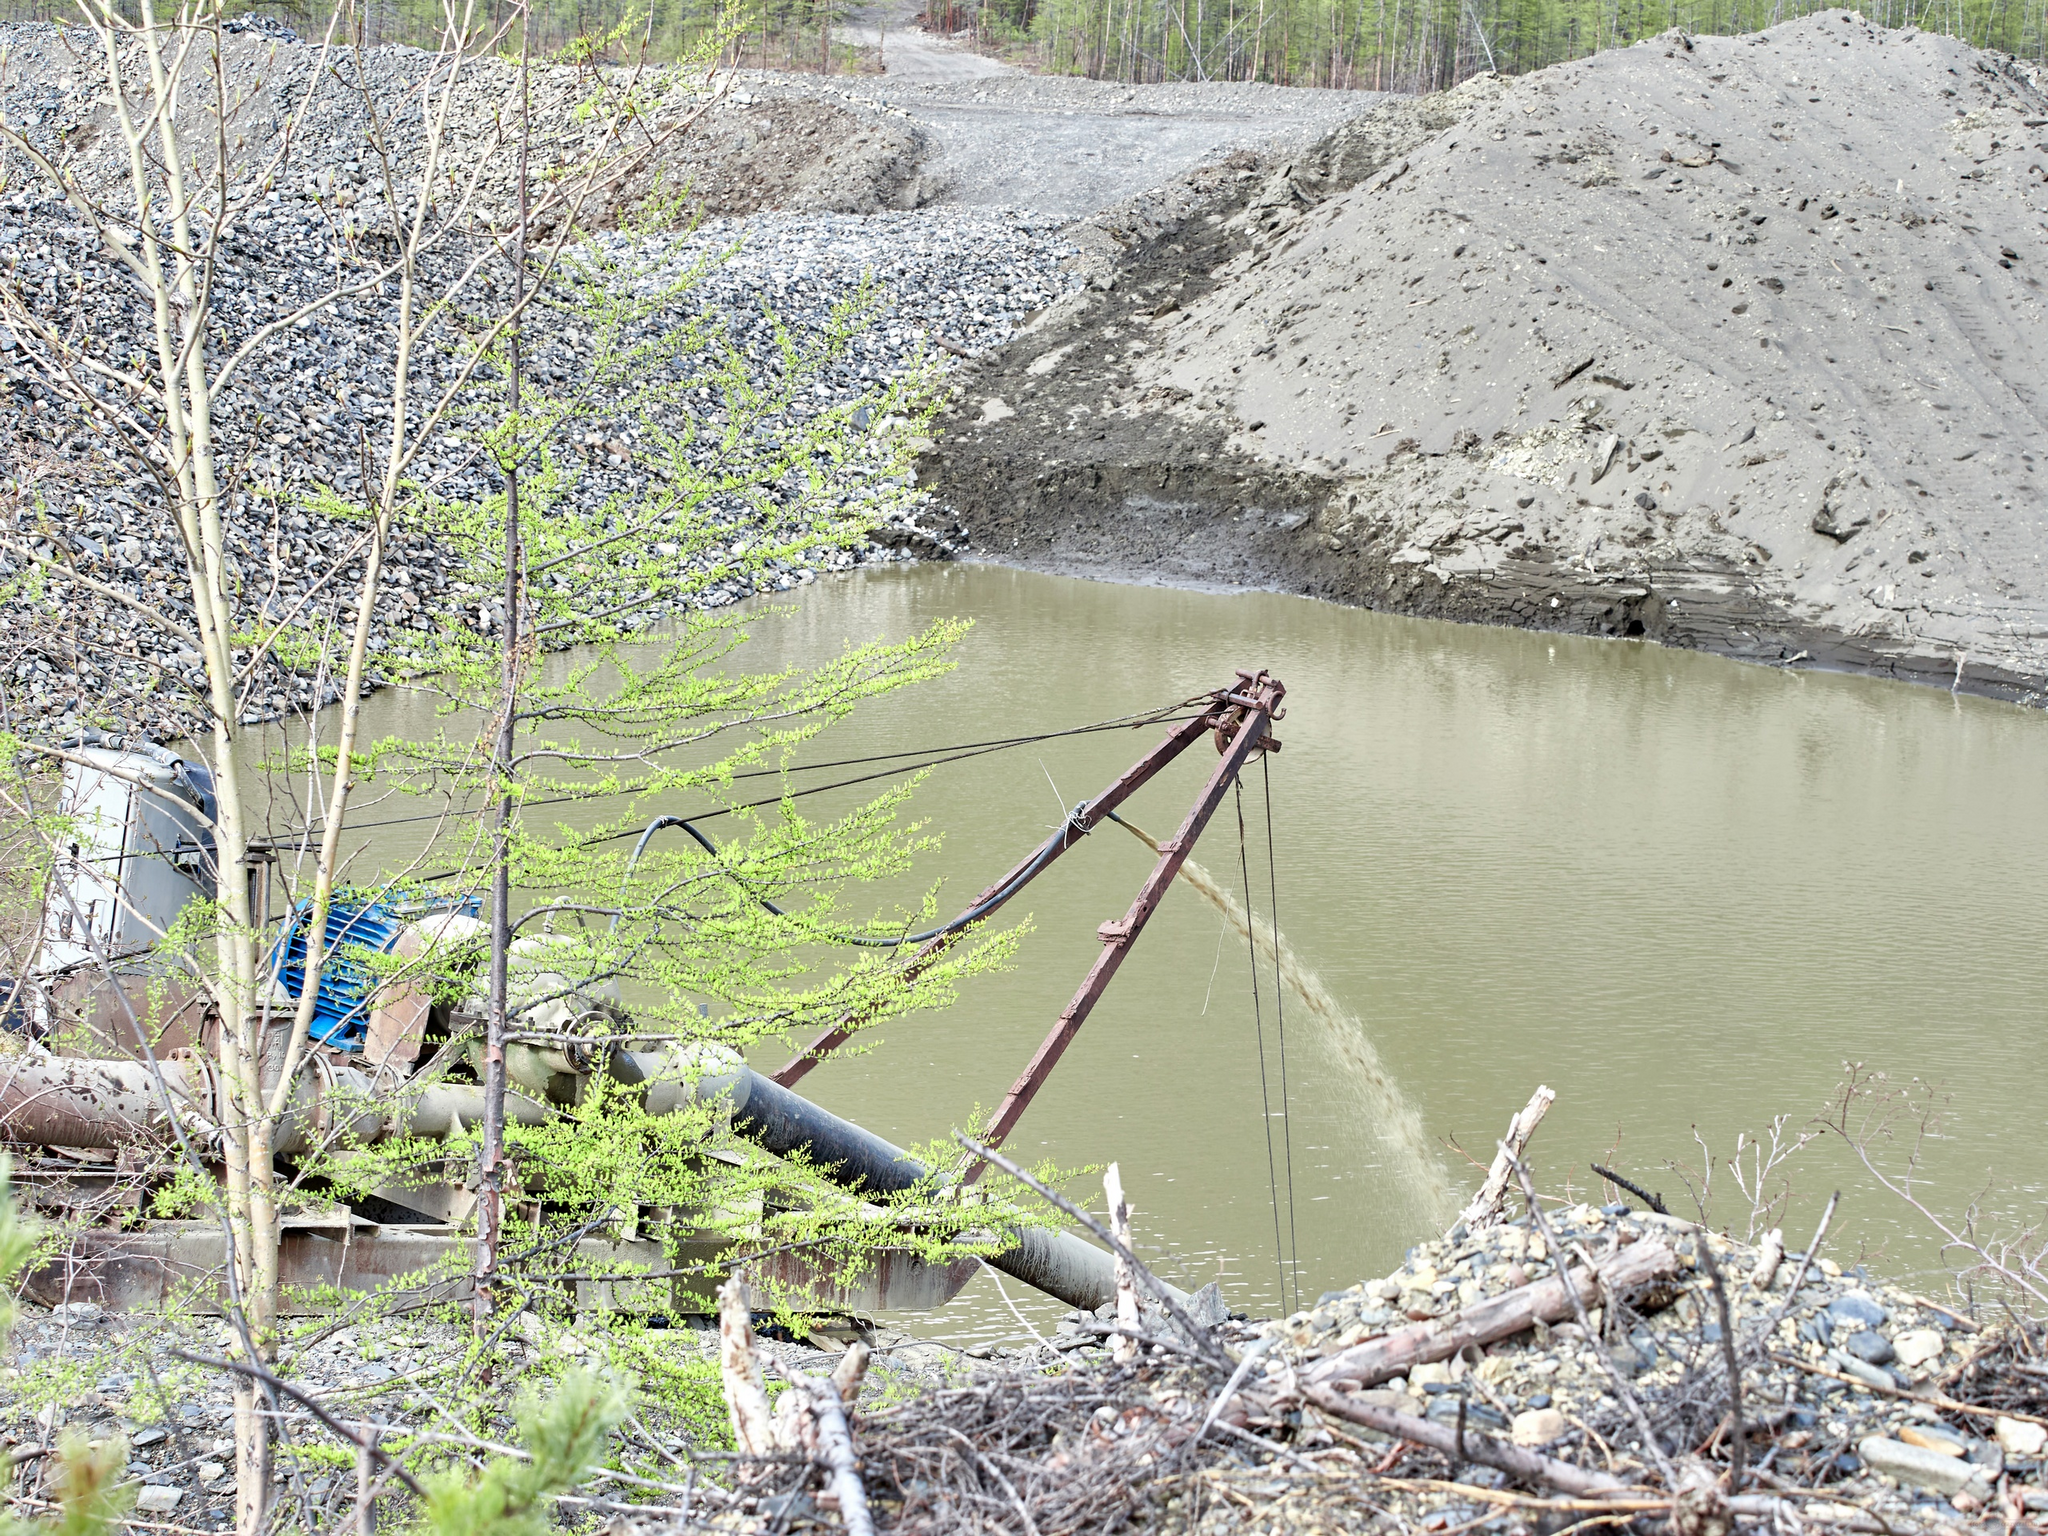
(1763,310)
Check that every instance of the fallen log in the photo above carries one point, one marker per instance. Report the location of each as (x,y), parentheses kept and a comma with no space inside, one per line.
(1498,1317)
(746,1399)
(1123,1346)
(1531,1466)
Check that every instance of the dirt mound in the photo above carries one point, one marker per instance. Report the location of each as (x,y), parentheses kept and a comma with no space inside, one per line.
(743,151)
(795,153)
(1726,341)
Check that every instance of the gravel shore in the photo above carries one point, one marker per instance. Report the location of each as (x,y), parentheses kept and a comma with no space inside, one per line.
(949,196)
(1865,1405)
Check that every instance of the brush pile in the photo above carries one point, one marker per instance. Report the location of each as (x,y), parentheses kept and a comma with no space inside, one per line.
(1408,1404)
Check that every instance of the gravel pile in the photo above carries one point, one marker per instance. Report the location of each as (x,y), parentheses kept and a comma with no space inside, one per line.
(1738,303)
(1065,147)
(1719,341)
(1823,1401)
(1869,1401)
(811,177)
(950,282)
(746,148)
(75,1368)
(1865,1406)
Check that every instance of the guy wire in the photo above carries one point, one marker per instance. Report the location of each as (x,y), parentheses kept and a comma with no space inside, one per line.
(1280,1017)
(1259,1026)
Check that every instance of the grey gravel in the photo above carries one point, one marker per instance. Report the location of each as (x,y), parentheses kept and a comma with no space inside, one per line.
(992,166)
(947,279)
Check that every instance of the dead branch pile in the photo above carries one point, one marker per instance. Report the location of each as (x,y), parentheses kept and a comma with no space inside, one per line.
(1581,1365)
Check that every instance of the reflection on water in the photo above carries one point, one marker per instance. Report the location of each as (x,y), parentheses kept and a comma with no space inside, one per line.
(1681,891)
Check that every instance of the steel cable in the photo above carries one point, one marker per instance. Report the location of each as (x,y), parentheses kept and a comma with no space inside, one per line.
(1280,1019)
(1047,851)
(935,757)
(1259,1026)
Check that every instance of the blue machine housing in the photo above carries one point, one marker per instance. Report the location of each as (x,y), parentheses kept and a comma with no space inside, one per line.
(348,984)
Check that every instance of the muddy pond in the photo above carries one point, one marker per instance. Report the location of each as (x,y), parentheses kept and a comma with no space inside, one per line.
(1681,891)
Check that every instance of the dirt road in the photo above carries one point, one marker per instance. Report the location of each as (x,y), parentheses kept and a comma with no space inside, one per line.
(1057,147)
(909,52)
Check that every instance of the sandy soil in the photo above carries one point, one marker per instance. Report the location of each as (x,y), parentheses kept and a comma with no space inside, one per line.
(1730,344)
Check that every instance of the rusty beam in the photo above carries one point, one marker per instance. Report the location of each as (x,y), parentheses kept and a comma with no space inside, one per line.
(1078,826)
(1240,732)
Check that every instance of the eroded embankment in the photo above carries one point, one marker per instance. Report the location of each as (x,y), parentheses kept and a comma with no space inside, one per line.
(1728,343)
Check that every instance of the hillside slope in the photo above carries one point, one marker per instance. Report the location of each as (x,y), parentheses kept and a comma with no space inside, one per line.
(1732,342)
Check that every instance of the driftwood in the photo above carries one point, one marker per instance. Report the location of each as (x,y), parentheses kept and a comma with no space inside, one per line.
(1489,1205)
(810,1416)
(1123,1345)
(821,1421)
(1770,1253)
(1498,1317)
(1532,1466)
(746,1400)
(850,1372)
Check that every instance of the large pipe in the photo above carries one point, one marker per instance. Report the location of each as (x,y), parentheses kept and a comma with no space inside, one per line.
(787,1124)
(77,1102)
(1057,1263)
(70,1101)
(65,1101)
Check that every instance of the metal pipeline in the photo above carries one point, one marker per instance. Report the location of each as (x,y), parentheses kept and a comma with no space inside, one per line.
(67,1101)
(78,1102)
(1057,1263)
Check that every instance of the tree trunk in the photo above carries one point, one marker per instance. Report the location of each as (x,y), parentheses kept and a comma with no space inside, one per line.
(491,1172)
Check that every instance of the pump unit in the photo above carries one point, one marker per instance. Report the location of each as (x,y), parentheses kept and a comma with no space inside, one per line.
(142,849)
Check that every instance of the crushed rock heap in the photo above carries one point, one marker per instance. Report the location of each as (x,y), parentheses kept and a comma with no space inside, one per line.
(1865,1406)
(733,150)
(1725,341)
(299,413)
(1846,1363)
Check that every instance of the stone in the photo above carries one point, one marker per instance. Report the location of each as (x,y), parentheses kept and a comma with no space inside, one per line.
(1208,1308)
(1858,1309)
(1870,1347)
(1628,1360)
(1433,1373)
(1536,1426)
(1860,1370)
(1921,1468)
(211,1471)
(2016,1437)
(143,1439)
(157,1499)
(1384,1290)
(1916,1346)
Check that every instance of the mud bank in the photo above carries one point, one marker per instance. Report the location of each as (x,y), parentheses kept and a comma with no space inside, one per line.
(1727,343)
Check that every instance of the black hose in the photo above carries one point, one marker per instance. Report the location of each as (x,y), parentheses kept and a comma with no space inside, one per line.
(1052,847)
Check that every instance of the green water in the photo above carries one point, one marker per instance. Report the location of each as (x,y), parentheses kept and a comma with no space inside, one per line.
(1680,891)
